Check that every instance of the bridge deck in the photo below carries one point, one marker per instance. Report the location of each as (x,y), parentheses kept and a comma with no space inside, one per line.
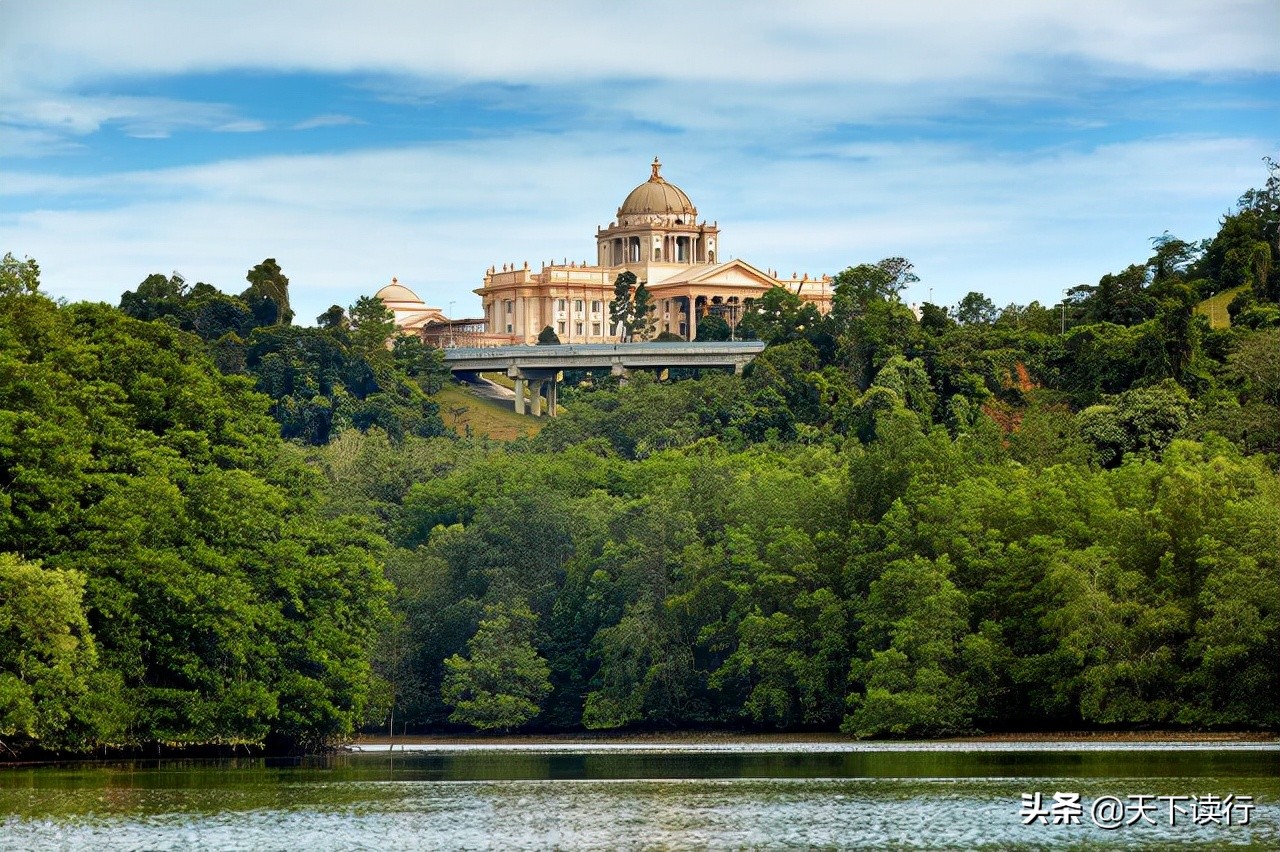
(589,355)
(537,368)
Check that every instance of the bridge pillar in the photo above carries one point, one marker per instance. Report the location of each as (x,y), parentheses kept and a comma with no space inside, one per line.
(552,397)
(738,365)
(535,396)
(621,372)
(519,395)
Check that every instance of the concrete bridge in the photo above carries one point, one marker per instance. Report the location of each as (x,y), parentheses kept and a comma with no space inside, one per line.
(540,367)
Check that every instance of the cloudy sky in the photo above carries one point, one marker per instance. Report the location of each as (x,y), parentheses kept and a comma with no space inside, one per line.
(1011,148)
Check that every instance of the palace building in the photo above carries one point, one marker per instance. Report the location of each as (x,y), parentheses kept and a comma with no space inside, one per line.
(656,235)
(411,314)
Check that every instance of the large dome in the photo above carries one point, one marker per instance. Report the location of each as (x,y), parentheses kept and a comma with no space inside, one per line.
(396,293)
(657,196)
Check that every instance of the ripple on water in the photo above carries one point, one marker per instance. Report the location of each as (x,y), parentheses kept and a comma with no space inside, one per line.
(620,814)
(589,800)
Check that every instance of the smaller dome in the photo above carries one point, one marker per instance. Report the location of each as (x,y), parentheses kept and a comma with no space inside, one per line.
(397,293)
(657,196)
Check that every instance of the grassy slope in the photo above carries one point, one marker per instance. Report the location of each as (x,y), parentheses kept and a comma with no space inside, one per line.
(1215,307)
(485,417)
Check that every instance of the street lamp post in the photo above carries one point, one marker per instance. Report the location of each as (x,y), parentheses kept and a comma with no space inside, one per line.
(450,319)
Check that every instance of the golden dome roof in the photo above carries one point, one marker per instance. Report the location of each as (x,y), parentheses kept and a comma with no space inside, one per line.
(657,196)
(398,293)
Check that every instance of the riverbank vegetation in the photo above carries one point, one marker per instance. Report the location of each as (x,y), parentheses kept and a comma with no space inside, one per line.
(218,528)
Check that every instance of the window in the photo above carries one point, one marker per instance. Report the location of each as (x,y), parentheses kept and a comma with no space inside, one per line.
(595,306)
(577,305)
(509,305)
(560,328)
(577,329)
(509,328)
(595,329)
(561,304)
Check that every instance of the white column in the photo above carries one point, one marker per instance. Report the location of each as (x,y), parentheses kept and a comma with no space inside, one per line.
(535,396)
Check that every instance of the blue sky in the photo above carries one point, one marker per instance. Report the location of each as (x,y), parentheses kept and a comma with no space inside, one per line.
(1016,149)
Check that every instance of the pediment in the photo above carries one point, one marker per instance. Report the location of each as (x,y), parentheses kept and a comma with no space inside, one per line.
(737,274)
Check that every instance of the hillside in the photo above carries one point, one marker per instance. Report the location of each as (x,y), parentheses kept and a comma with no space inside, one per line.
(462,409)
(1215,307)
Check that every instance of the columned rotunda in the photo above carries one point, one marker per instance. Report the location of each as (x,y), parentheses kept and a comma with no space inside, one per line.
(657,236)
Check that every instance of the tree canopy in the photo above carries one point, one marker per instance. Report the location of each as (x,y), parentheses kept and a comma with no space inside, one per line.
(217,528)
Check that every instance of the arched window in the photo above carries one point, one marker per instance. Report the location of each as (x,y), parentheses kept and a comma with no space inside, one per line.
(633,249)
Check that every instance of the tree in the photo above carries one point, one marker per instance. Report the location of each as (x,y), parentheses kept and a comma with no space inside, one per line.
(642,323)
(335,317)
(620,310)
(221,611)
(908,379)
(268,281)
(548,337)
(975,309)
(156,297)
(914,631)
(713,327)
(859,285)
(372,325)
(46,652)
(1255,363)
(1122,298)
(1172,258)
(934,319)
(19,276)
(502,681)
(780,316)
(786,369)
(1139,420)
(422,364)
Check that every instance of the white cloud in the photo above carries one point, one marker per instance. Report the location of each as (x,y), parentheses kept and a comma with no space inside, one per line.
(152,118)
(31,142)
(779,71)
(329,120)
(896,42)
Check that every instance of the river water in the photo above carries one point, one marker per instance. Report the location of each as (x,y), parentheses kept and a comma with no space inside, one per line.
(660,796)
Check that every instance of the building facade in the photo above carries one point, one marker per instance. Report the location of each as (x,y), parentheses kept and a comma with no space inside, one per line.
(656,235)
(412,315)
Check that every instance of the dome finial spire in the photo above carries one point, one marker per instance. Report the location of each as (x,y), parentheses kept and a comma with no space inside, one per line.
(657,166)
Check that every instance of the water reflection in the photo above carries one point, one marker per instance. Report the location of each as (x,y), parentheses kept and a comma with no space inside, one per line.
(621,798)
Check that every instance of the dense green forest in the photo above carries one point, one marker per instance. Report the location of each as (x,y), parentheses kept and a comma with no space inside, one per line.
(218,528)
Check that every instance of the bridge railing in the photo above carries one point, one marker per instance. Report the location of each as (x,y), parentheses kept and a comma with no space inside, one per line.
(542,352)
